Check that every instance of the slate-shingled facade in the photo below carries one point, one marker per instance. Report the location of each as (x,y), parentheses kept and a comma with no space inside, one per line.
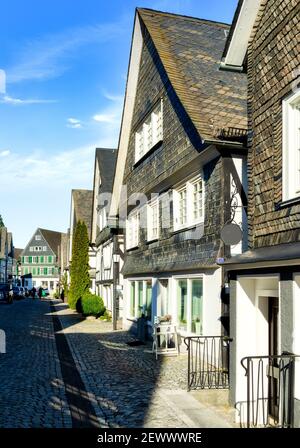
(203,114)
(265,280)
(42,260)
(107,239)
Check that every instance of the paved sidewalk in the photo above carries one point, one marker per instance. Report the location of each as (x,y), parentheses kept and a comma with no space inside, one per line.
(62,371)
(32,392)
(127,386)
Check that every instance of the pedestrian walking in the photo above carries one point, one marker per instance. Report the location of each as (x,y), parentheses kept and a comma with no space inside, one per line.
(62,295)
(40,293)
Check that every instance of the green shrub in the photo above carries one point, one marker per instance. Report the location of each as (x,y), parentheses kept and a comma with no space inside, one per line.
(91,305)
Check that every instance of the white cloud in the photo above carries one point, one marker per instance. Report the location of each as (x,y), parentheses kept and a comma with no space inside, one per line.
(74,123)
(110,114)
(49,56)
(18,101)
(105,118)
(4,153)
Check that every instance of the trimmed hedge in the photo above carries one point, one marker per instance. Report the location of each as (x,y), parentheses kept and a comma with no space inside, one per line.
(91,305)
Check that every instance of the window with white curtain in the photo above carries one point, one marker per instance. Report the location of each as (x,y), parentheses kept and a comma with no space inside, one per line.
(291,147)
(149,133)
(188,201)
(132,229)
(153,220)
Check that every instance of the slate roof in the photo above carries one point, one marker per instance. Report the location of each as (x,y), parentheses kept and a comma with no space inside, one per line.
(106,159)
(17,253)
(83,204)
(54,239)
(191,51)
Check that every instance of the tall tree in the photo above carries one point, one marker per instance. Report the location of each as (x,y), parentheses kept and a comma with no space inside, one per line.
(79,270)
(1,222)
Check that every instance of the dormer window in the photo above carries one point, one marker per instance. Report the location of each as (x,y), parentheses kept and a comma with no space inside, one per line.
(291,147)
(149,133)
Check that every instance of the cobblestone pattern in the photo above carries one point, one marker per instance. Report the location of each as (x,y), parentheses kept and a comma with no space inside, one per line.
(32,392)
(124,383)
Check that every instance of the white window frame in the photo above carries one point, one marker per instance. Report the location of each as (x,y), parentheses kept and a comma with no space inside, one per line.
(153,217)
(38,237)
(190,219)
(44,248)
(189,280)
(291,147)
(133,229)
(150,132)
(136,281)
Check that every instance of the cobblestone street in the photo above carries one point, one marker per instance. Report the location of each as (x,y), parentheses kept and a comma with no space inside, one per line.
(85,374)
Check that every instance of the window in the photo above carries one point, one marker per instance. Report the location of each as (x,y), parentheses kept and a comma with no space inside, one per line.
(141,298)
(153,220)
(182,304)
(42,259)
(149,133)
(189,305)
(132,230)
(38,237)
(45,248)
(291,147)
(45,271)
(50,259)
(29,259)
(132,299)
(38,271)
(102,218)
(36,259)
(163,299)
(33,271)
(148,307)
(188,201)
(23,259)
(31,249)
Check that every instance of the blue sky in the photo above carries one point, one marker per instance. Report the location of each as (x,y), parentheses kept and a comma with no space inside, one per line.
(65,65)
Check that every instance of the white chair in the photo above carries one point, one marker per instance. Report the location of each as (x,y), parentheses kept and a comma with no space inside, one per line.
(165,339)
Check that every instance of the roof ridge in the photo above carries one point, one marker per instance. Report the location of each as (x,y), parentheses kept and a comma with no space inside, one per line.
(198,19)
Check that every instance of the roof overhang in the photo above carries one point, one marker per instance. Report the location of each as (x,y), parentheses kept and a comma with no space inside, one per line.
(287,254)
(237,43)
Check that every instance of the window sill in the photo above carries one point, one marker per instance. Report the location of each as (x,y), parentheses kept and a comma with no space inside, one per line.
(152,241)
(184,229)
(287,203)
(129,249)
(147,154)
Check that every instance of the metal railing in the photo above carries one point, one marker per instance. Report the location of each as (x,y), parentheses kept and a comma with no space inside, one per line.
(270,390)
(208,362)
